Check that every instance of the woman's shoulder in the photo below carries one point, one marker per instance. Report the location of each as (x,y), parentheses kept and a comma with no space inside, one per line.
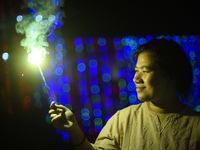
(130,111)
(131,108)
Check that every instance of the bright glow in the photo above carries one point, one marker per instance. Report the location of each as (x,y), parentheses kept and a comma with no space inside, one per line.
(35,56)
(38,18)
(19,18)
(5,56)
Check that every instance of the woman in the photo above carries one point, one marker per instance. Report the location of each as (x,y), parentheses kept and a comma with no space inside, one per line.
(163,78)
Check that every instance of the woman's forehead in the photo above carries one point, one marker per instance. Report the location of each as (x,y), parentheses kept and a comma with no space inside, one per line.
(145,58)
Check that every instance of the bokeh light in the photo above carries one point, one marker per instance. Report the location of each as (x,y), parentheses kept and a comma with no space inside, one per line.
(102,41)
(52,37)
(33,11)
(5,56)
(51,18)
(19,18)
(90,41)
(56,3)
(38,18)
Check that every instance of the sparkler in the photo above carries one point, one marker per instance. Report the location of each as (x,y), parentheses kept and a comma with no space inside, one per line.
(35,57)
(45,16)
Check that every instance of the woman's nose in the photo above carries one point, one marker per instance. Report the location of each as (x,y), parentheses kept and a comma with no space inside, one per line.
(137,78)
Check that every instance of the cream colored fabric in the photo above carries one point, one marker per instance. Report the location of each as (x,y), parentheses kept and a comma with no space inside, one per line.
(136,128)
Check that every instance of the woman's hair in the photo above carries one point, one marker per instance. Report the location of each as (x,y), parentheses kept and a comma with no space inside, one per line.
(172,62)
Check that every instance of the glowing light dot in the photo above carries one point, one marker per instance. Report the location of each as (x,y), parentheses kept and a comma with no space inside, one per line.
(81,67)
(97,113)
(95,89)
(79,46)
(106,77)
(117,41)
(57,23)
(149,38)
(90,41)
(51,18)
(59,70)
(66,87)
(132,99)
(5,56)
(128,40)
(53,64)
(102,41)
(108,117)
(108,104)
(93,63)
(38,18)
(19,18)
(142,41)
(33,11)
(52,37)
(56,2)
(78,40)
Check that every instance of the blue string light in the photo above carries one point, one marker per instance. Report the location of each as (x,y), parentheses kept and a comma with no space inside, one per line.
(81,67)
(94,82)
(121,71)
(106,76)
(33,11)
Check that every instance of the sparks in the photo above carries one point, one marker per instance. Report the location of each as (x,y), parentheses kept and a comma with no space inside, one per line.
(35,56)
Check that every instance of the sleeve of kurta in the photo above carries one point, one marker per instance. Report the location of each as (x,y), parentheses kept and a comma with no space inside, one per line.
(197,131)
(195,136)
(109,137)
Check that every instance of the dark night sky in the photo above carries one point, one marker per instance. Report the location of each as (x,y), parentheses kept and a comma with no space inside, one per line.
(130,18)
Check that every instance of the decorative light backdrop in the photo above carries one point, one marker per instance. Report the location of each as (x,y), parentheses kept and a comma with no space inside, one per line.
(93,78)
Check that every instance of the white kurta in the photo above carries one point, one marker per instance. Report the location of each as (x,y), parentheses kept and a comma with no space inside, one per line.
(137,128)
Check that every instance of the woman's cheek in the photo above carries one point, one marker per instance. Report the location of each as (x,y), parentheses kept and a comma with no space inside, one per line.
(150,88)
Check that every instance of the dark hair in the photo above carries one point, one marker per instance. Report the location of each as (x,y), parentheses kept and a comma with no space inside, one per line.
(172,62)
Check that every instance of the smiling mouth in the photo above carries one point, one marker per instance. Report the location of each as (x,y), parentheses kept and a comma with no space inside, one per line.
(138,89)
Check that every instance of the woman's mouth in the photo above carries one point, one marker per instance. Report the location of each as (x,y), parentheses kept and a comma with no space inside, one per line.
(139,89)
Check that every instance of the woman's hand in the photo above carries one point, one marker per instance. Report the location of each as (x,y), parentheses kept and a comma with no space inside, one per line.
(61,117)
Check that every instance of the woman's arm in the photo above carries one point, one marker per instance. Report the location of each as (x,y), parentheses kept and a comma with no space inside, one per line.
(63,119)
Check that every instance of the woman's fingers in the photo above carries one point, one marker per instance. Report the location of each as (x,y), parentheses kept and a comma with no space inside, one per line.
(53,111)
(61,107)
(52,105)
(55,117)
(55,106)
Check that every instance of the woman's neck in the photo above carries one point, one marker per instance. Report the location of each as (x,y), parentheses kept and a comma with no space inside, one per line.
(164,108)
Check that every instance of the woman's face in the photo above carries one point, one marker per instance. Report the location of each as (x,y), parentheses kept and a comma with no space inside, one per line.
(150,84)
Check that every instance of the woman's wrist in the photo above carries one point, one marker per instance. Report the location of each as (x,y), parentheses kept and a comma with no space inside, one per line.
(76,135)
(76,145)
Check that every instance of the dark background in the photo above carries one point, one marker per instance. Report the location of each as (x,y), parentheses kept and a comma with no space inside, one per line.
(28,129)
(114,18)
